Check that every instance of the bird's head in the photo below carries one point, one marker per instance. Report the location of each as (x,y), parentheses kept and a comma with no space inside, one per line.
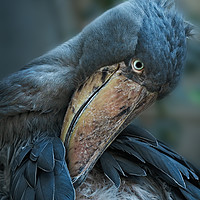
(149,39)
(149,31)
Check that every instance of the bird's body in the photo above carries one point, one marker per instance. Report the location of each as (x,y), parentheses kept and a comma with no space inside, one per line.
(33,101)
(98,186)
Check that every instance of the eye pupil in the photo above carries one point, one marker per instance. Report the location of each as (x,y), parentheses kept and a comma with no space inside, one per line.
(139,65)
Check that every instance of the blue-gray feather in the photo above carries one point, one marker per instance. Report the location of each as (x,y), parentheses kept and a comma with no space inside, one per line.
(159,160)
(40,170)
(34,100)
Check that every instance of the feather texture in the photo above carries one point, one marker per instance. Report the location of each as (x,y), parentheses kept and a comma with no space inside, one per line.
(40,171)
(159,159)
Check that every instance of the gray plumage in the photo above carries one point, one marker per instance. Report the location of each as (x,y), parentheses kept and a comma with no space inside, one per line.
(33,101)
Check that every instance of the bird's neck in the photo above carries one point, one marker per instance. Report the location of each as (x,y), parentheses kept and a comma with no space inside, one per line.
(64,55)
(38,95)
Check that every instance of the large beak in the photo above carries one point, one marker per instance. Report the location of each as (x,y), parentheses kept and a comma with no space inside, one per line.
(100,109)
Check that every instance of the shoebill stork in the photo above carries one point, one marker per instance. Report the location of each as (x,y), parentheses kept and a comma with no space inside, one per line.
(101,79)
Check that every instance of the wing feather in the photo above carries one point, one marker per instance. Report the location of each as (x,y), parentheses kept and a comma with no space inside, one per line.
(40,171)
(137,153)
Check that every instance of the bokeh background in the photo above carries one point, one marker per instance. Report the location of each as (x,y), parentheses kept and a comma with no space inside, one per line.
(29,28)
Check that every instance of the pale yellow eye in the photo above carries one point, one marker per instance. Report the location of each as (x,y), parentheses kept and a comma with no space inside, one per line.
(137,66)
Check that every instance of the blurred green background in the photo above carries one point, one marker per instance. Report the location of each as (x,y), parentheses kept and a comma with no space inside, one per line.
(29,28)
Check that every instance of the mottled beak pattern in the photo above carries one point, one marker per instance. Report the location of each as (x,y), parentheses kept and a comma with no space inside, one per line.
(100,109)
